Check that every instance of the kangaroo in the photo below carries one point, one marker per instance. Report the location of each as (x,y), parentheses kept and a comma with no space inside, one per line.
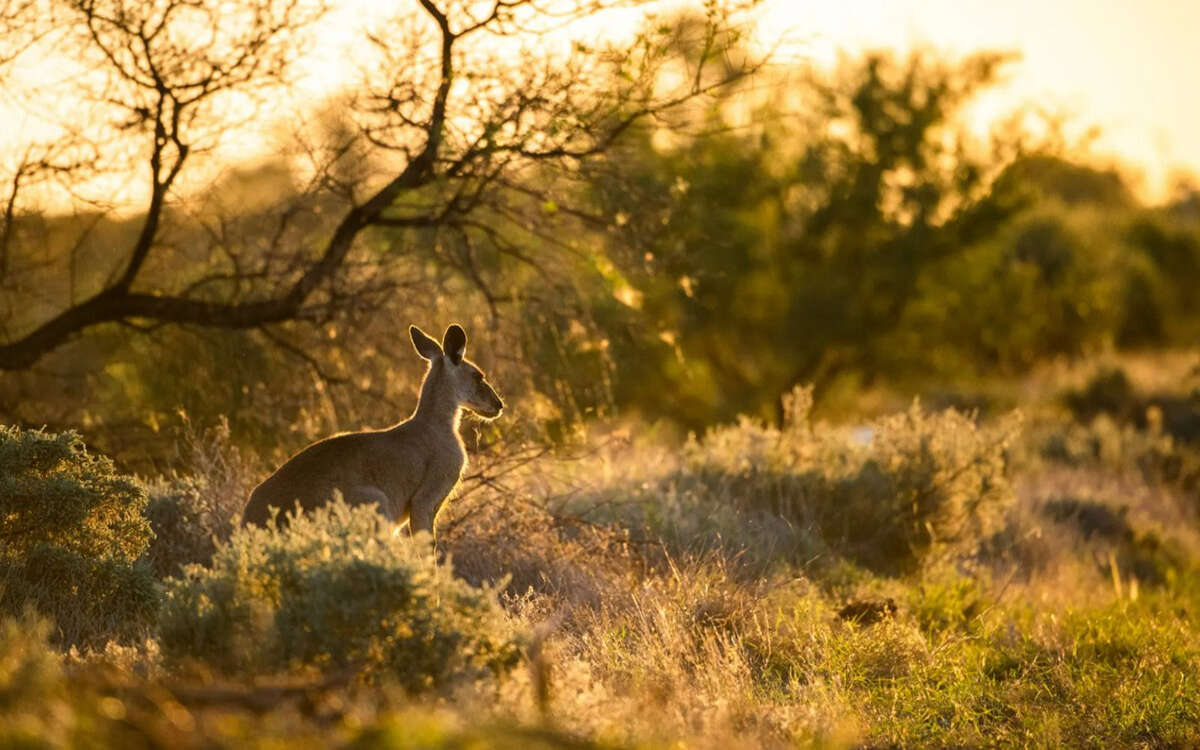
(408,470)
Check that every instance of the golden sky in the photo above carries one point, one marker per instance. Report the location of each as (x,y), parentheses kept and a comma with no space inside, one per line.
(1130,67)
(1127,66)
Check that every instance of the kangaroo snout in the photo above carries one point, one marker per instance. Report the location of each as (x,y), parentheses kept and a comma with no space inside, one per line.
(496,410)
(488,408)
(483,400)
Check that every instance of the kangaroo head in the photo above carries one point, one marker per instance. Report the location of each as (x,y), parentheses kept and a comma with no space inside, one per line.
(457,376)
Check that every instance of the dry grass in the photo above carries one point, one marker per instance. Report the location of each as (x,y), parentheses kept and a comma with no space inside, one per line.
(697,595)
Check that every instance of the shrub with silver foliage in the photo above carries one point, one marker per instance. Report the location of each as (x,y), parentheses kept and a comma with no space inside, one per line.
(71,529)
(337,588)
(921,484)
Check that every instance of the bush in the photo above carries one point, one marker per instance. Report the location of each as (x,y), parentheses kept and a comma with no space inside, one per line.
(1110,393)
(90,600)
(188,521)
(47,701)
(888,496)
(1107,392)
(72,529)
(526,548)
(336,589)
(52,491)
(1106,444)
(1146,555)
(1050,282)
(191,513)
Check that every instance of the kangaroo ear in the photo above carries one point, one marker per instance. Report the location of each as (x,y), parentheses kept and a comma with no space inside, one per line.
(426,347)
(454,343)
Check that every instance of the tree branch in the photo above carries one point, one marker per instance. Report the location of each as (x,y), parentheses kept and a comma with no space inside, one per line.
(560,113)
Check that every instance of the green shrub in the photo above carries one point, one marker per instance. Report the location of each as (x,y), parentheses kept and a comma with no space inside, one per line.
(1107,392)
(71,530)
(888,496)
(336,589)
(90,600)
(52,491)
(1105,444)
(188,521)
(1050,282)
(1110,393)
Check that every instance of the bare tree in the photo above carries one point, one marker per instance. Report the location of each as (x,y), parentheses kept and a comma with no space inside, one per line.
(466,104)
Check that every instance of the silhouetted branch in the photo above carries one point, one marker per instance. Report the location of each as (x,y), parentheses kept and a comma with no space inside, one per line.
(461,147)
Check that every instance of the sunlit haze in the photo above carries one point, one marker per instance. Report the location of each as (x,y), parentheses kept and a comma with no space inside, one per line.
(1129,68)
(1125,68)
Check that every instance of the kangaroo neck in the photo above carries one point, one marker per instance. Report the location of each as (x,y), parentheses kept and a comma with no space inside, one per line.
(437,406)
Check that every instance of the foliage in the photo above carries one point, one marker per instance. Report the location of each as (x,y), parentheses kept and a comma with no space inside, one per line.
(925,578)
(72,530)
(337,589)
(90,600)
(186,525)
(55,492)
(1140,554)
(836,220)
(1109,392)
(1014,689)
(421,182)
(703,594)
(190,514)
(902,248)
(32,690)
(1120,446)
(900,491)
(960,667)
(866,217)
(1168,246)
(1040,286)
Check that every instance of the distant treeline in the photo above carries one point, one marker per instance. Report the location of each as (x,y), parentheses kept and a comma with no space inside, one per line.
(871,240)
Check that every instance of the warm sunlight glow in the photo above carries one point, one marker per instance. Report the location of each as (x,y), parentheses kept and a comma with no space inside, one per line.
(1128,68)
(1124,69)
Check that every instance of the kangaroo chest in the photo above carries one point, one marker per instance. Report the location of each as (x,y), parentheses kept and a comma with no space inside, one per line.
(414,462)
(445,463)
